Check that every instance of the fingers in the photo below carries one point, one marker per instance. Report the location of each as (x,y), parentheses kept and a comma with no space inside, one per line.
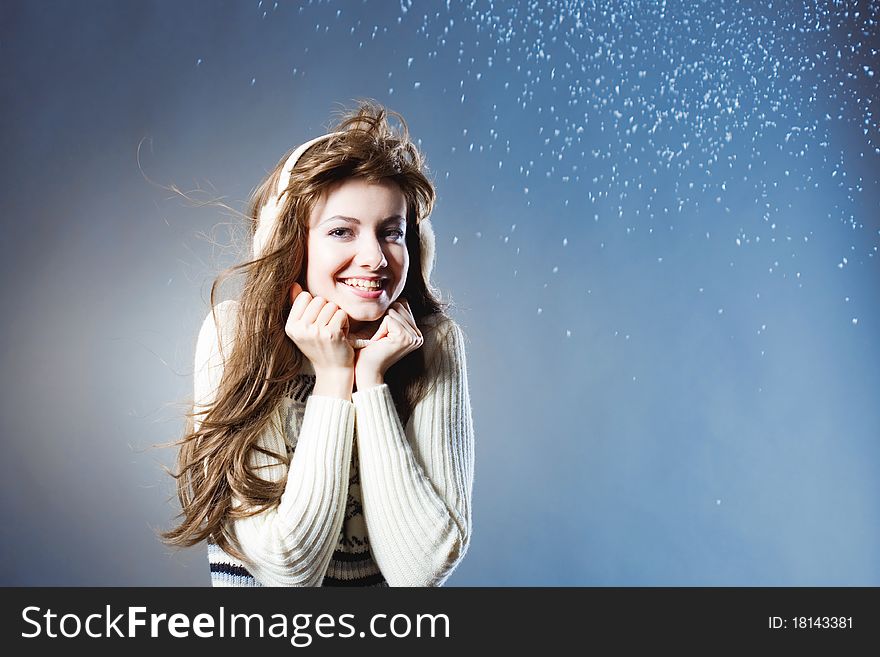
(310,314)
(395,317)
(317,310)
(326,314)
(314,310)
(403,314)
(382,331)
(301,300)
(339,321)
(406,311)
(398,326)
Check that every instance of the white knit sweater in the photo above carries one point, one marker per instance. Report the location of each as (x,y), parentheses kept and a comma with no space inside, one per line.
(352,462)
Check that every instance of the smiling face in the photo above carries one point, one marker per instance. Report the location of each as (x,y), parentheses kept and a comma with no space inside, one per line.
(357,230)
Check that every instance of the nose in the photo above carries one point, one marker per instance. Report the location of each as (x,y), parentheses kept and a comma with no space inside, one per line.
(370,254)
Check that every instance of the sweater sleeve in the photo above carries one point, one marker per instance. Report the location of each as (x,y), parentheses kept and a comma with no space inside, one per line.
(417,481)
(290,544)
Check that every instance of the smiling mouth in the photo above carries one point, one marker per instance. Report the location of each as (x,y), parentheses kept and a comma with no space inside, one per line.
(365,292)
(364,284)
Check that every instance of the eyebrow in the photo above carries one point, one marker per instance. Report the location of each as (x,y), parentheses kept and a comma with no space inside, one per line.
(396,218)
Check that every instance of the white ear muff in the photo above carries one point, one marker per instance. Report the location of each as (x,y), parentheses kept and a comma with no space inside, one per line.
(426,240)
(269,213)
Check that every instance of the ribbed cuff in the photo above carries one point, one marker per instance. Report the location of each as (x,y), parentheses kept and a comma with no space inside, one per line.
(323,449)
(376,413)
(409,526)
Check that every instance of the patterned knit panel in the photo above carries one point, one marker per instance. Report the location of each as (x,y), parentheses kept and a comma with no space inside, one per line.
(227,571)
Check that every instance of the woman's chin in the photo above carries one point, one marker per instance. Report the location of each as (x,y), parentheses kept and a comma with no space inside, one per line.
(361,317)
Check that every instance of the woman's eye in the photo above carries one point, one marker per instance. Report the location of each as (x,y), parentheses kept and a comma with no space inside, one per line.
(341,232)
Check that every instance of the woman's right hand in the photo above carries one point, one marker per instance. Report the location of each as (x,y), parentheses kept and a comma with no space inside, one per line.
(320,329)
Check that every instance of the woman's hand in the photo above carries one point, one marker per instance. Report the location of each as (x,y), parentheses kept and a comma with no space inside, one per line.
(397,336)
(320,329)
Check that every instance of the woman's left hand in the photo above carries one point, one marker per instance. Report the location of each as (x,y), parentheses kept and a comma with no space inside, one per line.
(397,336)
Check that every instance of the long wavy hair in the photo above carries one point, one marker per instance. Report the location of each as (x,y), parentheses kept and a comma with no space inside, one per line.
(213,464)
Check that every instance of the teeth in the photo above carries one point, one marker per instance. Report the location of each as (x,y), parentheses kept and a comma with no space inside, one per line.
(358,282)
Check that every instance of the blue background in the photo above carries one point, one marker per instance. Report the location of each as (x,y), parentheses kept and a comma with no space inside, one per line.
(658,222)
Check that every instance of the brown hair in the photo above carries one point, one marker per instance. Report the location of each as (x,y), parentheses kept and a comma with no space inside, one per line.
(213,463)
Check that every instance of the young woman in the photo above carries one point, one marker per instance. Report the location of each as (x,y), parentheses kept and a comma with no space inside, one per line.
(331,442)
